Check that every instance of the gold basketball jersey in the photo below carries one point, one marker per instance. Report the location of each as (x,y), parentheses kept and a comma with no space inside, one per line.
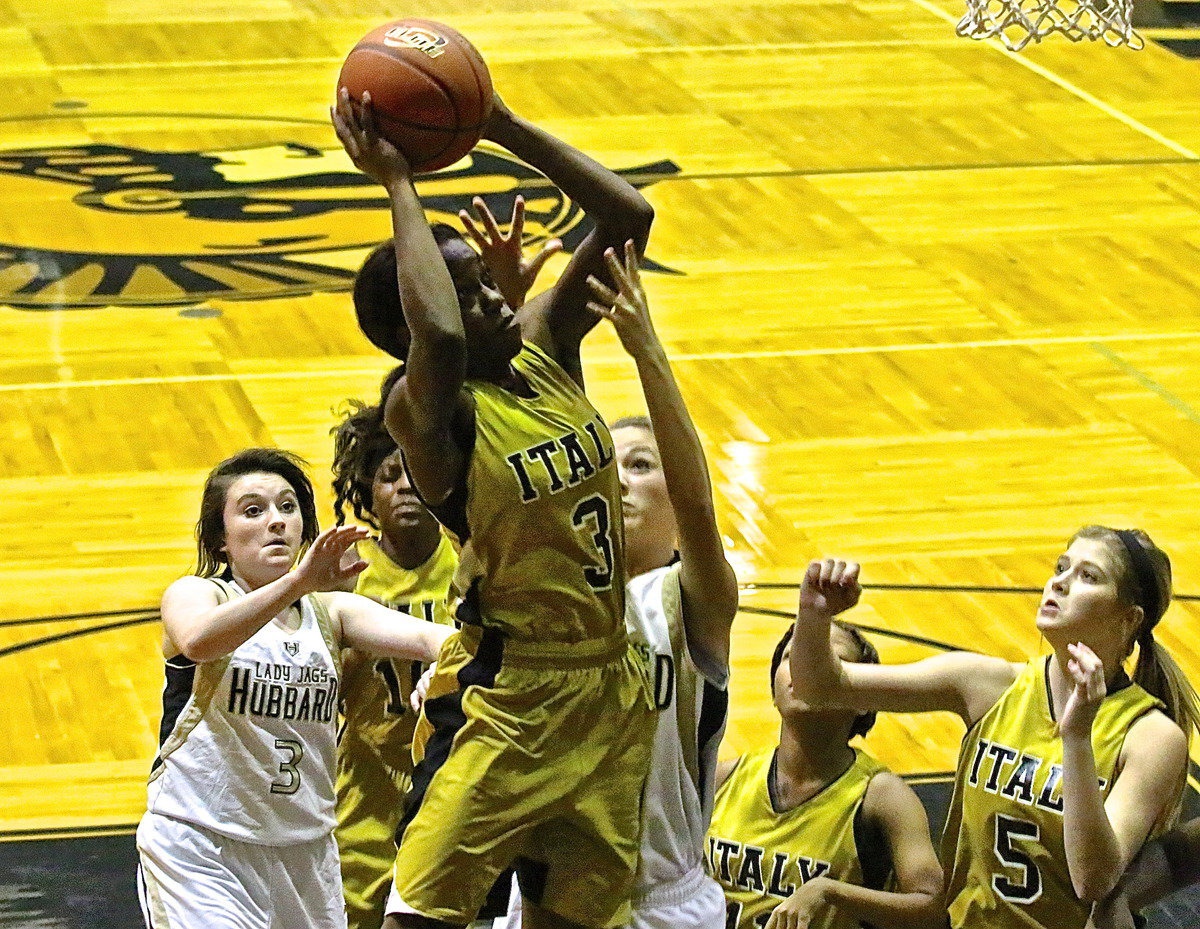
(759,856)
(1003,841)
(544,510)
(377,690)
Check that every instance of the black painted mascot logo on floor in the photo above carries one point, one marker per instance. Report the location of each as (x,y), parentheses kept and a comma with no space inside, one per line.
(105,225)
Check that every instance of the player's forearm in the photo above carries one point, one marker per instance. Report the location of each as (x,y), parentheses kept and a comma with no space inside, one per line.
(886,910)
(426,288)
(817,676)
(682,455)
(218,632)
(1093,853)
(610,201)
(709,584)
(377,630)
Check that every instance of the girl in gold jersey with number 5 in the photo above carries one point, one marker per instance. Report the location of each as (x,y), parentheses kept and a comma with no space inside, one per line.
(1068,766)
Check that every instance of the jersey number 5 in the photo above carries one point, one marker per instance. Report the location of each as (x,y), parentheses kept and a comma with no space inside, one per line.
(592,512)
(1008,830)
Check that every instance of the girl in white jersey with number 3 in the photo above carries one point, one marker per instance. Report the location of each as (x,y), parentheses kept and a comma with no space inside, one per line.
(239,828)
(681,600)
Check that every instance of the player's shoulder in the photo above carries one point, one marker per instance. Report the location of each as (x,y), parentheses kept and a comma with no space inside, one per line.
(192,588)
(1156,730)
(725,769)
(887,788)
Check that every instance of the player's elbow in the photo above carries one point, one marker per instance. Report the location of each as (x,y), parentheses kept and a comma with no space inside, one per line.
(819,687)
(433,640)
(1094,887)
(641,213)
(931,907)
(197,647)
(630,216)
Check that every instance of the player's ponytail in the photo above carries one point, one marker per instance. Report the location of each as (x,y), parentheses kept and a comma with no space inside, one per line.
(1145,581)
(1159,674)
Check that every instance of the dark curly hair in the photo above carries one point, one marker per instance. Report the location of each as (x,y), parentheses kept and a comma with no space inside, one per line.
(361,443)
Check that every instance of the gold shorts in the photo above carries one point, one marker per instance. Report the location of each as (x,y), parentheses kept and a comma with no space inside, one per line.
(369,805)
(537,758)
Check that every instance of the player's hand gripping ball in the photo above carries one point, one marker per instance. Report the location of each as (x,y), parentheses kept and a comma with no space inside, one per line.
(430,89)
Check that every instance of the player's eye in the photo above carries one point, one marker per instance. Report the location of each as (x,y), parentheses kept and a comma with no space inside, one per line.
(288,506)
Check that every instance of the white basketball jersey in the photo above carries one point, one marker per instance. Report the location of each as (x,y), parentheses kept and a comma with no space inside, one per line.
(692,708)
(248,742)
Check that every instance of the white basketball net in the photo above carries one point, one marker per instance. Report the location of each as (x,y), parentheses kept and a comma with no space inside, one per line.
(1018,22)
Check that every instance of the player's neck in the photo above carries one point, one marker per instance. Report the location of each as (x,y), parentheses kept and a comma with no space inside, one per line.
(1061,683)
(808,760)
(411,549)
(501,373)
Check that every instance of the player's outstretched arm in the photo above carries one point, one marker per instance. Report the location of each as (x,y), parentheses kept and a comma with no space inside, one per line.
(960,682)
(201,628)
(374,629)
(893,810)
(421,408)
(710,594)
(558,319)
(503,254)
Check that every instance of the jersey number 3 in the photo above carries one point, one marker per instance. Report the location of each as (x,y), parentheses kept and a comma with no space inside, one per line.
(288,781)
(592,513)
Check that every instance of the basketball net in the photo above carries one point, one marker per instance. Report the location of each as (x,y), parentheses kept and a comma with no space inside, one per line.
(1018,22)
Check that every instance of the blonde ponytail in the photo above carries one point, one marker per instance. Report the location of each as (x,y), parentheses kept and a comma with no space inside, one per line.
(1159,675)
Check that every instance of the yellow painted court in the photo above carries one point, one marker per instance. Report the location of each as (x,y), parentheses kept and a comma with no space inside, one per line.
(934,305)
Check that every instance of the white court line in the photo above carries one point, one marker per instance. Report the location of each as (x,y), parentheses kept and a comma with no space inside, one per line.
(614,52)
(1066,85)
(939,346)
(378,370)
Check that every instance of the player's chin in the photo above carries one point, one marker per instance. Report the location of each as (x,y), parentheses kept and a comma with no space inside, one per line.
(1051,622)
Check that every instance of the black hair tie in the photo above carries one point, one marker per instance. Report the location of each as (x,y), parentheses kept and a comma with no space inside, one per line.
(1143,572)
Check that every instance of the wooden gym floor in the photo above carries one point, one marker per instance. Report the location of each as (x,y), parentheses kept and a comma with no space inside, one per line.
(933,306)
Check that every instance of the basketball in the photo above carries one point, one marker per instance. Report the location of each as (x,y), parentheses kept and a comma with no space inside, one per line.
(430,88)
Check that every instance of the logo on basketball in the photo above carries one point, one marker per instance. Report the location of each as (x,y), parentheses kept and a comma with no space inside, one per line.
(121,226)
(423,40)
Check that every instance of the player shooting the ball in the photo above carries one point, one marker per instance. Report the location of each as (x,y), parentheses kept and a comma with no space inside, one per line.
(541,712)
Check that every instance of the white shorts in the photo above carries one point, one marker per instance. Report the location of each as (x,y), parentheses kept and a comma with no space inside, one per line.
(695,901)
(192,878)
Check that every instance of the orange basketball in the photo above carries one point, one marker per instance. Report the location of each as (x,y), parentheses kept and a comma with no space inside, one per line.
(431,90)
